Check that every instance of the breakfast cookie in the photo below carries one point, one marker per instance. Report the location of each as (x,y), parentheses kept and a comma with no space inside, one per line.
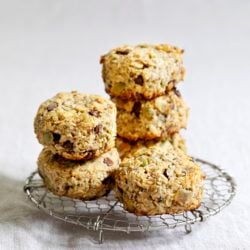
(142,71)
(159,180)
(126,147)
(76,126)
(85,180)
(158,118)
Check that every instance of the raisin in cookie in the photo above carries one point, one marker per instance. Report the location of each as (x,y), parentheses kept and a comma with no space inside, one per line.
(158,118)
(78,179)
(159,180)
(143,71)
(76,126)
(126,147)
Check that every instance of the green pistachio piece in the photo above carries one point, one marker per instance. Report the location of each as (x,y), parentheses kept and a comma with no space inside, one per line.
(144,162)
(118,87)
(47,138)
(148,113)
(184,196)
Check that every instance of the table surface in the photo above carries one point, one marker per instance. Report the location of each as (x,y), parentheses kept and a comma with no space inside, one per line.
(51,46)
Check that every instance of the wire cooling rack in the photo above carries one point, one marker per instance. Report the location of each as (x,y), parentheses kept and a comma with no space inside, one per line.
(107,213)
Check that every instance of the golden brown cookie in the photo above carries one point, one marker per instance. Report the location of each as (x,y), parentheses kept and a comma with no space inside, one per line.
(126,147)
(143,71)
(159,180)
(76,126)
(84,180)
(158,118)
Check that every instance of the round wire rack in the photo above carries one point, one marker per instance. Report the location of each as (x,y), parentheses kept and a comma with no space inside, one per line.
(107,213)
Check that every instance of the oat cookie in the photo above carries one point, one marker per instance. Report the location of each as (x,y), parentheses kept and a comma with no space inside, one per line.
(142,71)
(126,147)
(78,179)
(158,118)
(76,126)
(159,180)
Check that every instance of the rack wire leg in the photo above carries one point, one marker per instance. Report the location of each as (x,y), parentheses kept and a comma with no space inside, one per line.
(100,236)
(188,228)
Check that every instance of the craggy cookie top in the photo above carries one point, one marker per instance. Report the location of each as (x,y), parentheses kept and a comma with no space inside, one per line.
(76,125)
(126,147)
(161,154)
(142,71)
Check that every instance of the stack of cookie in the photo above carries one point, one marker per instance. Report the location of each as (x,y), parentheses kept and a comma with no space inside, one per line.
(141,81)
(78,134)
(156,175)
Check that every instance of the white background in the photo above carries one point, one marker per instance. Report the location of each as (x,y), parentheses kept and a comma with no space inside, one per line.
(49,46)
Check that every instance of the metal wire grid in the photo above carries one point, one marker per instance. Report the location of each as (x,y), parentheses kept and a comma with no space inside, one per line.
(107,213)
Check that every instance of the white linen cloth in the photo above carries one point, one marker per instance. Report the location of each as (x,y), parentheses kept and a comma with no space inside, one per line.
(51,46)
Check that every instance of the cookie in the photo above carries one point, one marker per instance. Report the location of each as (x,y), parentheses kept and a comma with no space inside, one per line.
(142,71)
(84,180)
(126,147)
(76,126)
(158,118)
(159,180)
